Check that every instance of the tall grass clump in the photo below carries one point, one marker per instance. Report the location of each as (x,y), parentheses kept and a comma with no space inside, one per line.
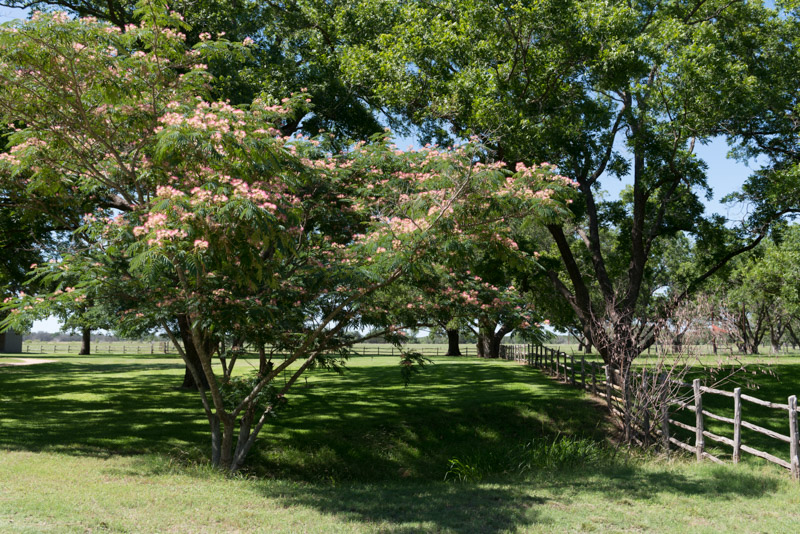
(561,453)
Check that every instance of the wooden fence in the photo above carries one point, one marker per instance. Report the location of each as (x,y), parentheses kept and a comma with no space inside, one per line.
(166,347)
(114,347)
(655,422)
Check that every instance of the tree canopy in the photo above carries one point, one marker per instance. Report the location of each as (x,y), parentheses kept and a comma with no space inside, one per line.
(208,211)
(604,90)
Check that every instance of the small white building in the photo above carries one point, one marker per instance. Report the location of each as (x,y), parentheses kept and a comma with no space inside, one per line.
(10,342)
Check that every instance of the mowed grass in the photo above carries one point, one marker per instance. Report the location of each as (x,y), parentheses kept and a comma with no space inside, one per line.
(106,443)
(362,425)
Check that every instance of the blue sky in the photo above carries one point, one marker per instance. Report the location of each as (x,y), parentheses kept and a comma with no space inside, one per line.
(724,175)
(10,13)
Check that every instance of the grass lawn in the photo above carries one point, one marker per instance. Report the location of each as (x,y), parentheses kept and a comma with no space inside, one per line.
(105,443)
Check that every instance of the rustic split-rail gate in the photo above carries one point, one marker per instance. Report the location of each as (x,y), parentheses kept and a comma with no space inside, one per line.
(644,425)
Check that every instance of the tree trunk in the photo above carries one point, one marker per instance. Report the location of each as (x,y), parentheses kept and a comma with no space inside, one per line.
(677,343)
(191,355)
(775,340)
(776,335)
(86,342)
(264,366)
(483,346)
(494,345)
(216,440)
(452,343)
(226,454)
(795,340)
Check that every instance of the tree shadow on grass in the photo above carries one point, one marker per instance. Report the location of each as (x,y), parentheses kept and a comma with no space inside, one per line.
(360,426)
(365,426)
(634,482)
(98,409)
(512,504)
(429,508)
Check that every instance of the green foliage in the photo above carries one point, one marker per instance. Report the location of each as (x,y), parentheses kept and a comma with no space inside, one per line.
(561,453)
(411,362)
(236,388)
(206,211)
(604,91)
(460,471)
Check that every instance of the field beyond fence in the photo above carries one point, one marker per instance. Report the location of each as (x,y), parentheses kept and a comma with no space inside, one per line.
(166,347)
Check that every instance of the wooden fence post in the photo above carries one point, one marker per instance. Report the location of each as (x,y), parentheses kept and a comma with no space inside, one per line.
(583,372)
(572,366)
(558,366)
(793,459)
(608,388)
(665,415)
(594,378)
(626,395)
(699,440)
(737,424)
(645,404)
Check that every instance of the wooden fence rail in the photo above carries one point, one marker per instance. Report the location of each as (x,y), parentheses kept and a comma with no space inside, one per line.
(642,425)
(166,347)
